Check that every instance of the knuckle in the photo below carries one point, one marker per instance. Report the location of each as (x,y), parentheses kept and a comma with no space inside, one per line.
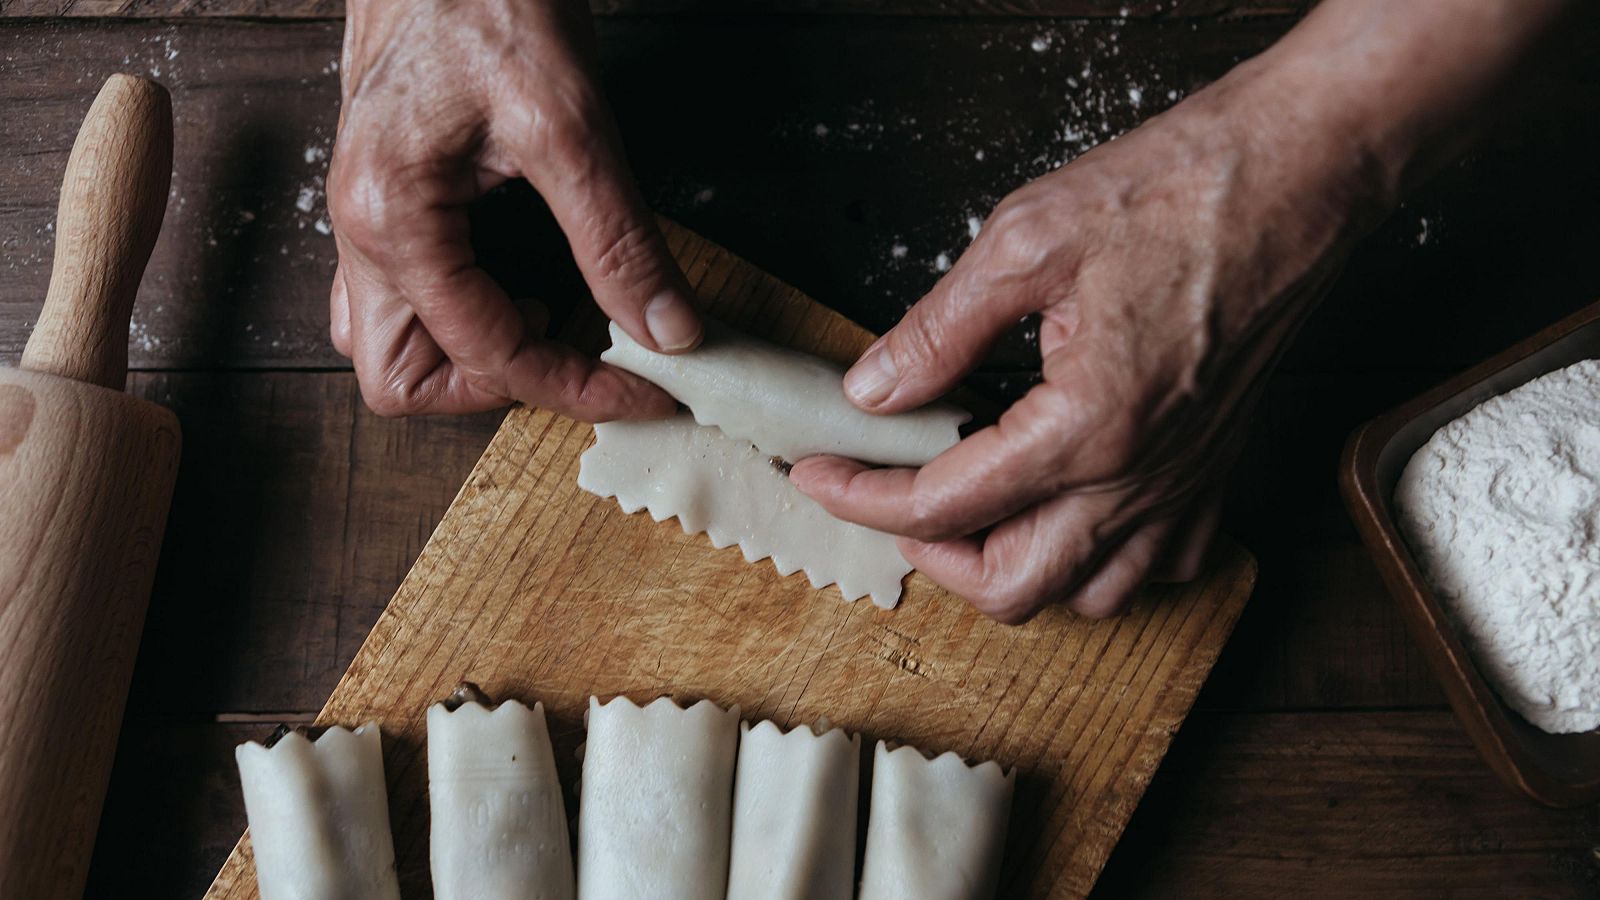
(626,252)
(929,518)
(362,202)
(1107,436)
(917,340)
(1010,599)
(1030,240)
(1187,569)
(1015,227)
(388,403)
(1017,241)
(1101,605)
(556,382)
(1006,608)
(392,394)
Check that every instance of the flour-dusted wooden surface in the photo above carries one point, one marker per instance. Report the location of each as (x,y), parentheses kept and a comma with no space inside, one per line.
(1320,759)
(539,591)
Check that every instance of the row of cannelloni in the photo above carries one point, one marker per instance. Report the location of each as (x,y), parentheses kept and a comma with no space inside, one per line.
(675,803)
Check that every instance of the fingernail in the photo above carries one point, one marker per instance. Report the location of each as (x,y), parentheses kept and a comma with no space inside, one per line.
(672,322)
(871,380)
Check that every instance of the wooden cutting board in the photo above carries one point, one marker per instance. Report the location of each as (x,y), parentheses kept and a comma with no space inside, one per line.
(536,590)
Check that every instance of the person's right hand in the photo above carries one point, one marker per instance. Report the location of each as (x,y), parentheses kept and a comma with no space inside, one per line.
(442,102)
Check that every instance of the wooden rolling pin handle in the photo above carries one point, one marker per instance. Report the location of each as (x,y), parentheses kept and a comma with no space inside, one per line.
(113,198)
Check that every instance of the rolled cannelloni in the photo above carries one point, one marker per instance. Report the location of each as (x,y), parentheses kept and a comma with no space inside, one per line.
(499,827)
(794,814)
(319,816)
(936,828)
(788,404)
(653,811)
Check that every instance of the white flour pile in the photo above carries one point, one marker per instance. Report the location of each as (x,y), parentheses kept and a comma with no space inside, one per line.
(1502,509)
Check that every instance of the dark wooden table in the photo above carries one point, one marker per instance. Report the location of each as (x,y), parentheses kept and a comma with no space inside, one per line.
(843,146)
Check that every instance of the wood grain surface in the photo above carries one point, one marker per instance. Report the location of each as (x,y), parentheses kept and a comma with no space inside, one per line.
(537,590)
(86,477)
(113,198)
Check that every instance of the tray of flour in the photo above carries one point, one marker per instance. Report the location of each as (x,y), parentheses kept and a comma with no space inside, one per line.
(1480,504)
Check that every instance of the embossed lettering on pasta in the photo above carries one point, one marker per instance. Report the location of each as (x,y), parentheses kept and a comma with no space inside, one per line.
(499,826)
(319,816)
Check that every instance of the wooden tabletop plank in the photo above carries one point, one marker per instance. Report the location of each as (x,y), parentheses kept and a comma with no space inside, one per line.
(316,9)
(839,141)
(1395,804)
(297,512)
(1344,804)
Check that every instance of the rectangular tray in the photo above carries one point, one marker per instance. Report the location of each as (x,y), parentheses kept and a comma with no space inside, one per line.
(1556,769)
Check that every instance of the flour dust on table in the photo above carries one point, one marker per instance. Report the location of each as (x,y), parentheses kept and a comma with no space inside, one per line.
(1502,509)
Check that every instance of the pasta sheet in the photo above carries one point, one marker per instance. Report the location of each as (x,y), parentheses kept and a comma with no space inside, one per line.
(499,826)
(794,815)
(736,495)
(936,828)
(319,816)
(789,404)
(653,812)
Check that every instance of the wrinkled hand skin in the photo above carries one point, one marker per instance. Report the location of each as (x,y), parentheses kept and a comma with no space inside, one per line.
(1164,288)
(442,102)
(1169,269)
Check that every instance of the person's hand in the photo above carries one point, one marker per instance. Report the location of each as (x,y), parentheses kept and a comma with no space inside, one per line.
(1167,269)
(442,102)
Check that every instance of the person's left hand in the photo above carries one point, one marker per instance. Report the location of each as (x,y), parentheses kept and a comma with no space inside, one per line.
(1168,270)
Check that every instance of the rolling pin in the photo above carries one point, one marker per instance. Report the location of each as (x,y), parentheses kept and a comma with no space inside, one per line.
(86,475)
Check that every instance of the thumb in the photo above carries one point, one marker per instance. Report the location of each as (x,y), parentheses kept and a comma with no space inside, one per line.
(619,248)
(942,338)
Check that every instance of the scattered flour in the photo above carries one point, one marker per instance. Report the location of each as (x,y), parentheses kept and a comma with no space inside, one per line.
(1502,508)
(1423,231)
(141,338)
(1093,95)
